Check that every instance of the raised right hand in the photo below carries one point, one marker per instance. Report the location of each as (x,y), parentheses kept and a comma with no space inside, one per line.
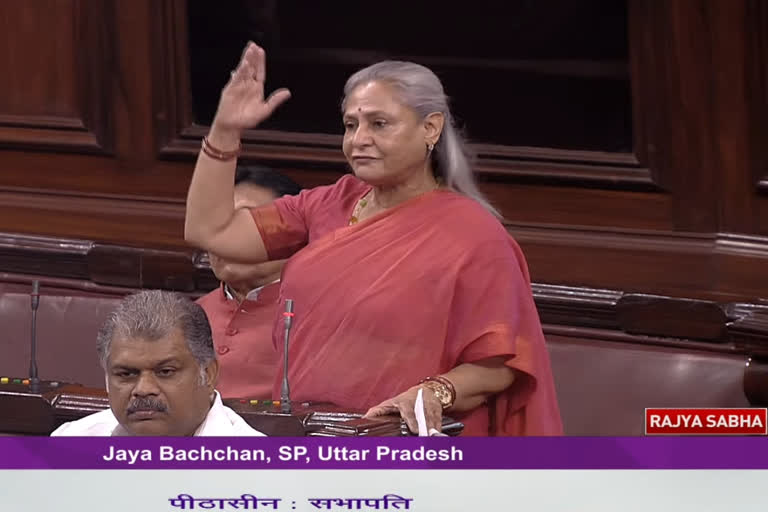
(242,104)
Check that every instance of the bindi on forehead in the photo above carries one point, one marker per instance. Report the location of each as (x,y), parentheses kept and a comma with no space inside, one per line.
(368,112)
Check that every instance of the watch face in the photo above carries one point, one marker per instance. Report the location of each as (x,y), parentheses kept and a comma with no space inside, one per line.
(442,394)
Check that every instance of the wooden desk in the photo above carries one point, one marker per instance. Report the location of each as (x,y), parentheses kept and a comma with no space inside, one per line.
(27,412)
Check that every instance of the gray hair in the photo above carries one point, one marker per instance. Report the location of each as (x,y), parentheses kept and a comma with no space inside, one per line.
(154,314)
(421,90)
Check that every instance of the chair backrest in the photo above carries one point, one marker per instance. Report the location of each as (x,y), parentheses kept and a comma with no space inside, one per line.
(66,327)
(604,387)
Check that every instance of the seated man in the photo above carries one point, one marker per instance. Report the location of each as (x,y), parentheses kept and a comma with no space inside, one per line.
(243,309)
(157,353)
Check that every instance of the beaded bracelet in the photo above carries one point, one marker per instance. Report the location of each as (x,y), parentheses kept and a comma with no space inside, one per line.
(219,154)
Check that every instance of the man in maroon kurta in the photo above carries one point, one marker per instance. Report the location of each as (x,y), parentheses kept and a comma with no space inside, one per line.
(242,310)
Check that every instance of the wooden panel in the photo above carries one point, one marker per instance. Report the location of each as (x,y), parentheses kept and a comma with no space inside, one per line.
(132,89)
(757,41)
(761,214)
(39,59)
(657,218)
(544,208)
(736,112)
(67,174)
(44,256)
(653,262)
(720,267)
(141,268)
(155,223)
(55,69)
(758,102)
(107,266)
(672,70)
(699,80)
(742,266)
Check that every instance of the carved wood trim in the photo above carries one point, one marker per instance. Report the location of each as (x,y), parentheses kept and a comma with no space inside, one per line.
(28,254)
(96,204)
(637,339)
(21,282)
(740,326)
(37,132)
(568,305)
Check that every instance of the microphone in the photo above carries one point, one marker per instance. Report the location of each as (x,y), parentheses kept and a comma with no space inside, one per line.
(285,392)
(34,381)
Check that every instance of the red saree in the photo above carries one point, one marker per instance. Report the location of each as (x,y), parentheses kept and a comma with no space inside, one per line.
(414,291)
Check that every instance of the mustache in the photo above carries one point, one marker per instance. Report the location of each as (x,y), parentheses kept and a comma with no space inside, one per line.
(146,404)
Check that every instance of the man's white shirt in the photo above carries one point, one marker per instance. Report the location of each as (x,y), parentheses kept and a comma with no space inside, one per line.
(220,421)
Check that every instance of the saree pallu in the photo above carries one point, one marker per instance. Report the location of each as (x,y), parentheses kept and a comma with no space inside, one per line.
(412,292)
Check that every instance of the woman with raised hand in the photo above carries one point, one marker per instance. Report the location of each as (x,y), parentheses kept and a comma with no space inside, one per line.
(402,276)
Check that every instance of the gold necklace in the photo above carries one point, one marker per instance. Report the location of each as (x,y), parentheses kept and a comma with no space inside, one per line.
(362,203)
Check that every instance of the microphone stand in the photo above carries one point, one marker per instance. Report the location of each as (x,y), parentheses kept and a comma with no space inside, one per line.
(34,381)
(285,391)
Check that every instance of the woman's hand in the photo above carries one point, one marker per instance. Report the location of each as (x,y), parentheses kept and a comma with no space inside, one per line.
(404,404)
(242,104)
(474,383)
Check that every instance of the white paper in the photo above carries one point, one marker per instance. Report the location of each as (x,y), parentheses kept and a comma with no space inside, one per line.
(421,419)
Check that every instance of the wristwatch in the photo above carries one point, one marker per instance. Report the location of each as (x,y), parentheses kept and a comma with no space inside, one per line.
(443,390)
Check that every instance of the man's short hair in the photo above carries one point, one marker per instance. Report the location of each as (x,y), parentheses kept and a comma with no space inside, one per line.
(279,184)
(155,314)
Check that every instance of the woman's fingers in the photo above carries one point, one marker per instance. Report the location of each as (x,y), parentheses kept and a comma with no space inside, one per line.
(434,416)
(248,45)
(259,62)
(405,404)
(408,413)
(433,411)
(255,57)
(382,409)
(276,99)
(241,72)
